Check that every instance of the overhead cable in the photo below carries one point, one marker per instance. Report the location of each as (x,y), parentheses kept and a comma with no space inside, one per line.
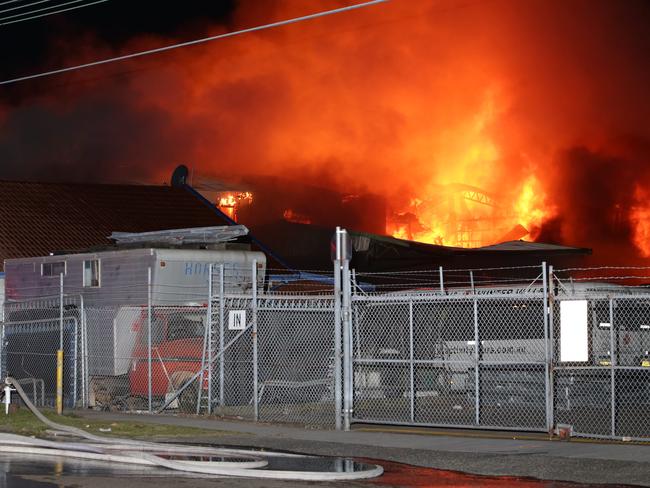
(24,5)
(193,42)
(23,18)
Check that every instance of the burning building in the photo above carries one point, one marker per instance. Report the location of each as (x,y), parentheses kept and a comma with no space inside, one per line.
(475,122)
(260,202)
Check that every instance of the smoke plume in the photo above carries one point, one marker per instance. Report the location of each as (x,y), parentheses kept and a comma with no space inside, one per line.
(542,106)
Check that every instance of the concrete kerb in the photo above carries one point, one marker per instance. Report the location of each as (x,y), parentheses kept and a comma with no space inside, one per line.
(583,462)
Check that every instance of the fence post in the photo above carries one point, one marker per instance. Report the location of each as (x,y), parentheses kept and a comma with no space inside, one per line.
(254,333)
(411,366)
(547,352)
(84,354)
(477,355)
(347,338)
(612,364)
(208,326)
(551,342)
(75,376)
(442,280)
(221,334)
(337,334)
(149,380)
(59,353)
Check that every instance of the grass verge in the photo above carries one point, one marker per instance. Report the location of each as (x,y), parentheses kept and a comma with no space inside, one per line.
(24,422)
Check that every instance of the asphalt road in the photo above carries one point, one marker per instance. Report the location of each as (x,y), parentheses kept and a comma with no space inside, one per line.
(481,453)
(522,455)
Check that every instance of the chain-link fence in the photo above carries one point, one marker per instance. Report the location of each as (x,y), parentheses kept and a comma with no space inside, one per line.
(269,352)
(457,353)
(526,348)
(32,333)
(601,342)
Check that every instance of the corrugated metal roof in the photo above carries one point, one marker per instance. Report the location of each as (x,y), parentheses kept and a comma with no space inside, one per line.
(528,246)
(39,218)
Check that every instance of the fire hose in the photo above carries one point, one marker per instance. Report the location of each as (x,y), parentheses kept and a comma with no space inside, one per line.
(208,460)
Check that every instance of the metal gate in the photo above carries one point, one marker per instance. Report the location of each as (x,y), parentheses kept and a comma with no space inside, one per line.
(602,388)
(31,335)
(458,358)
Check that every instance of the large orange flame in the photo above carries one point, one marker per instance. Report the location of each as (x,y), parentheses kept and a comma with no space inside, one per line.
(478,121)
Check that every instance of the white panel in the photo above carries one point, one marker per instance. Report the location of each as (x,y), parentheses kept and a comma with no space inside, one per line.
(236,319)
(574,335)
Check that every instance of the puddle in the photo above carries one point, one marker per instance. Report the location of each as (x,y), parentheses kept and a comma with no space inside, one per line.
(396,474)
(13,468)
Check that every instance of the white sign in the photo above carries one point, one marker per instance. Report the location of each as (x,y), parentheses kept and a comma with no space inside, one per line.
(236,319)
(574,333)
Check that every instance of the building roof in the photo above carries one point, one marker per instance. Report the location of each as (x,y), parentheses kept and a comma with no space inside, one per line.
(525,246)
(309,247)
(37,219)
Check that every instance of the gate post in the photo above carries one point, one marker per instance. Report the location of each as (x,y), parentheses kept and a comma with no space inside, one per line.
(347,346)
(337,334)
(149,384)
(612,365)
(254,333)
(477,356)
(547,352)
(208,327)
(343,254)
(222,360)
(411,365)
(549,320)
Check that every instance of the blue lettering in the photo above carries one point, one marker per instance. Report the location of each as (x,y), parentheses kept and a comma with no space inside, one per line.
(197,268)
(188,268)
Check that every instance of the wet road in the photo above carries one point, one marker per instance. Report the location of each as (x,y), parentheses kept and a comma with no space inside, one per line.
(41,472)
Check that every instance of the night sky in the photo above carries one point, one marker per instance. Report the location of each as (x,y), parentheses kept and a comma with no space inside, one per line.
(30,46)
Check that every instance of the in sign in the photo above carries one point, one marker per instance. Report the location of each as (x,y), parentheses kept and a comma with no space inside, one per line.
(236,319)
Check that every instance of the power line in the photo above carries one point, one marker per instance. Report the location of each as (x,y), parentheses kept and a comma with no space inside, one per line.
(10,1)
(43,9)
(194,42)
(51,13)
(25,5)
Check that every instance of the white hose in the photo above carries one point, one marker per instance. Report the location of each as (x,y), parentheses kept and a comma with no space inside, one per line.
(236,462)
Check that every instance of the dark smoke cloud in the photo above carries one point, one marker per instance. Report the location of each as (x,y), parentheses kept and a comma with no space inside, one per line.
(595,193)
(376,99)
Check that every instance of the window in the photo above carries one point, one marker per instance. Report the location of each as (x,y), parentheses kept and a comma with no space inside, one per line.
(185,326)
(53,269)
(91,273)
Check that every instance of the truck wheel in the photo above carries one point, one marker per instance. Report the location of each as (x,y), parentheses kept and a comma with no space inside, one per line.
(134,403)
(187,400)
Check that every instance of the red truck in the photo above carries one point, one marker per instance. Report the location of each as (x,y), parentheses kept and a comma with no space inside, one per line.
(177,344)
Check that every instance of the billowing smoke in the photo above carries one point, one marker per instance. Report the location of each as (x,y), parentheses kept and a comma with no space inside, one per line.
(542,106)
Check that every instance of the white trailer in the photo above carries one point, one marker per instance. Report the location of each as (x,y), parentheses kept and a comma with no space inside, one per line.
(114,287)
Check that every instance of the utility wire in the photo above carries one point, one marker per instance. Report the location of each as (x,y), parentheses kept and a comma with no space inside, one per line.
(24,5)
(45,8)
(52,13)
(193,42)
(10,1)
